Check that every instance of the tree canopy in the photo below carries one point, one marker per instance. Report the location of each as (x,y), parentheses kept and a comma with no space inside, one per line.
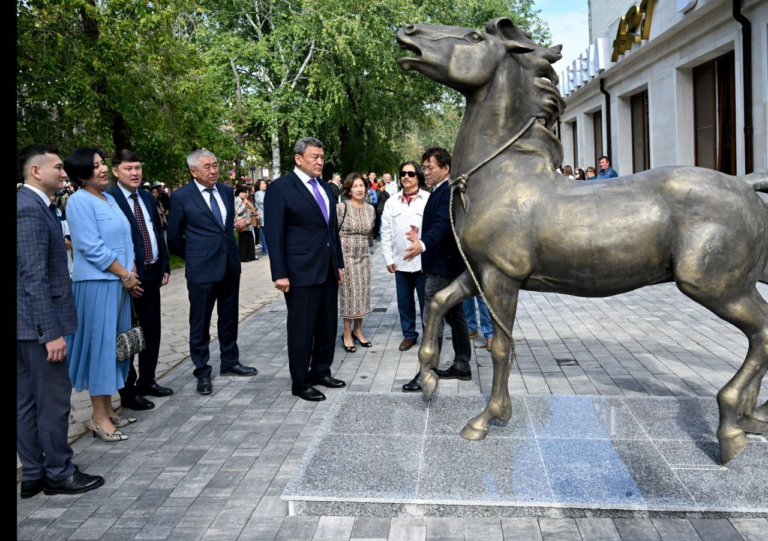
(244,78)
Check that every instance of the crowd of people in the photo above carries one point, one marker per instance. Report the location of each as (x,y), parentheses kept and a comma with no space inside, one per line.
(590,173)
(91,262)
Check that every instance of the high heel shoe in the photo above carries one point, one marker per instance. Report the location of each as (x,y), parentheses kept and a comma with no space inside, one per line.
(121,422)
(106,436)
(364,344)
(349,349)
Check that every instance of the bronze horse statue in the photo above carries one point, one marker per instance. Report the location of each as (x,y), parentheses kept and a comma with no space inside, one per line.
(520,225)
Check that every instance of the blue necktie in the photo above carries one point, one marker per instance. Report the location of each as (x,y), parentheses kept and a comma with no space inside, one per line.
(215,208)
(319,199)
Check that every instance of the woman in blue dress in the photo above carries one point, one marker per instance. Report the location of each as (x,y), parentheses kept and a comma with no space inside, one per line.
(103,255)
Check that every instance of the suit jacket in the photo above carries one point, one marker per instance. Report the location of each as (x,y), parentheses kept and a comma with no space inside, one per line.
(336,191)
(195,235)
(45,307)
(442,257)
(300,242)
(138,241)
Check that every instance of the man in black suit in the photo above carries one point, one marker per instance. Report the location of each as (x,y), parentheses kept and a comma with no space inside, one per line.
(335,186)
(201,231)
(441,261)
(154,271)
(307,265)
(45,314)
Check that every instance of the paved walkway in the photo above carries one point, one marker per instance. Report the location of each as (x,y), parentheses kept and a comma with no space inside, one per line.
(256,290)
(214,467)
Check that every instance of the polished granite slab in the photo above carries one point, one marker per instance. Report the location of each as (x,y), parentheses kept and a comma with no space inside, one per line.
(559,456)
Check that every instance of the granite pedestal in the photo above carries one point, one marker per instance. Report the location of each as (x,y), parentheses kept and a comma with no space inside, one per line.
(559,456)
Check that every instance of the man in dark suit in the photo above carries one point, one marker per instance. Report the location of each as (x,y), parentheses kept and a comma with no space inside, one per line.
(154,271)
(335,186)
(307,265)
(441,261)
(45,314)
(201,231)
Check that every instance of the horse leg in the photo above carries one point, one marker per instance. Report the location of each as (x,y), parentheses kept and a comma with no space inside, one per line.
(749,313)
(502,294)
(429,353)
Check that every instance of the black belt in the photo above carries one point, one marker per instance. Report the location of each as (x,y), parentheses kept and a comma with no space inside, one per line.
(148,266)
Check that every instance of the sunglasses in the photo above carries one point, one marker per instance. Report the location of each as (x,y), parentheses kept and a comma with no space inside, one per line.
(407,173)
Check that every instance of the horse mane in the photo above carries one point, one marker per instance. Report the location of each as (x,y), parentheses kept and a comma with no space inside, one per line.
(543,78)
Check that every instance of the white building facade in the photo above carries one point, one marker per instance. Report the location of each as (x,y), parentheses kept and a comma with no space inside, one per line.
(664,85)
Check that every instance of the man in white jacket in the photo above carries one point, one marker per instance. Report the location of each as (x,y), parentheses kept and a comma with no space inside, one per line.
(403,211)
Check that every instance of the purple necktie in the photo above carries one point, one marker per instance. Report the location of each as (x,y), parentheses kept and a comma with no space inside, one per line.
(319,199)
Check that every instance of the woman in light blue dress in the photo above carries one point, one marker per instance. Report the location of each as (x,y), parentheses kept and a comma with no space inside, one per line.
(103,255)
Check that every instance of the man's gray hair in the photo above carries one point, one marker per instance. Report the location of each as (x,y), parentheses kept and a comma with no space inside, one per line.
(301,145)
(194,157)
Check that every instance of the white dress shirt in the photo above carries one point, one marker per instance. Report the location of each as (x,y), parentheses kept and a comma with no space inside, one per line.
(305,179)
(446,179)
(391,187)
(216,195)
(147,221)
(396,221)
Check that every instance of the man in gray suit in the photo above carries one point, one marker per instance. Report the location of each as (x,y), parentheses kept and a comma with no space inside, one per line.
(45,314)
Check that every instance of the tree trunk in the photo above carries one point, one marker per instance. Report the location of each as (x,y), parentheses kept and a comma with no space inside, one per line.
(275,153)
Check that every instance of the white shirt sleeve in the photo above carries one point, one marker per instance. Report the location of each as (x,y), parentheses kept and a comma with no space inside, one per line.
(386,232)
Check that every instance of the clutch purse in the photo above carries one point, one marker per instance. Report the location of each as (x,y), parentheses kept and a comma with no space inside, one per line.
(130,342)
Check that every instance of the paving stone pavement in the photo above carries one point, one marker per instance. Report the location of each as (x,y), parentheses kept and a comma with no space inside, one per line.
(214,467)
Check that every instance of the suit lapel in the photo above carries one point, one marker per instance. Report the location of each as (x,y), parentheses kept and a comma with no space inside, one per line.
(48,212)
(299,185)
(229,203)
(198,198)
(122,202)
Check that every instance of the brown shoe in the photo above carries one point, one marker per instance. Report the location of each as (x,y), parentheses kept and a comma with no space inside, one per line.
(473,335)
(406,344)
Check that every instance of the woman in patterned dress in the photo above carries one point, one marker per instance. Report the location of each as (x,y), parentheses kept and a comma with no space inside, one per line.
(356,219)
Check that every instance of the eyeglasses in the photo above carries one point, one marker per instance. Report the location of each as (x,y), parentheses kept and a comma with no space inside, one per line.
(408,174)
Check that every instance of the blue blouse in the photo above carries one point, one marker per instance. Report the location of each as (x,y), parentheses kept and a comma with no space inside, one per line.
(100,234)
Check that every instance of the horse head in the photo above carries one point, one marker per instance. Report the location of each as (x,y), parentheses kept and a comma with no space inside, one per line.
(471,61)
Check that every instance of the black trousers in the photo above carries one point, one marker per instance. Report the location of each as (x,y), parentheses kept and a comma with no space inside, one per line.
(43,392)
(225,294)
(148,314)
(313,314)
(247,246)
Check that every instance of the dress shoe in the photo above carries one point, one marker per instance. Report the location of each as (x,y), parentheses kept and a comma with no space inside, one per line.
(473,335)
(489,343)
(31,488)
(77,483)
(204,386)
(309,393)
(413,385)
(139,403)
(407,344)
(239,370)
(452,373)
(154,390)
(328,381)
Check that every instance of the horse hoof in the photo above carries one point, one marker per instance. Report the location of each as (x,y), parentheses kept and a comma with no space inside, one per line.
(752,426)
(429,384)
(471,433)
(732,447)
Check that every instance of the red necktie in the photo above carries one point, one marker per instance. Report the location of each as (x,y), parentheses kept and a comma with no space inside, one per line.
(142,228)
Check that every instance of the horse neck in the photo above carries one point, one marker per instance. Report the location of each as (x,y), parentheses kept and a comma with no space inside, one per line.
(493,115)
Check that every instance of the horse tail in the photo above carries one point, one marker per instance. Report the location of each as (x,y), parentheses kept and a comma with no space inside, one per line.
(758,181)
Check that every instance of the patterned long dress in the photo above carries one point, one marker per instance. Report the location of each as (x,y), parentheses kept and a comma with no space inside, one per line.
(355,290)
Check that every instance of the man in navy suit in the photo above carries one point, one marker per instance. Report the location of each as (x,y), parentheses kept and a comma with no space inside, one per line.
(307,265)
(441,261)
(201,231)
(154,271)
(45,314)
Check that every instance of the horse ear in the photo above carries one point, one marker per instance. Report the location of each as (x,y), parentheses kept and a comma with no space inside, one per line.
(504,29)
(515,47)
